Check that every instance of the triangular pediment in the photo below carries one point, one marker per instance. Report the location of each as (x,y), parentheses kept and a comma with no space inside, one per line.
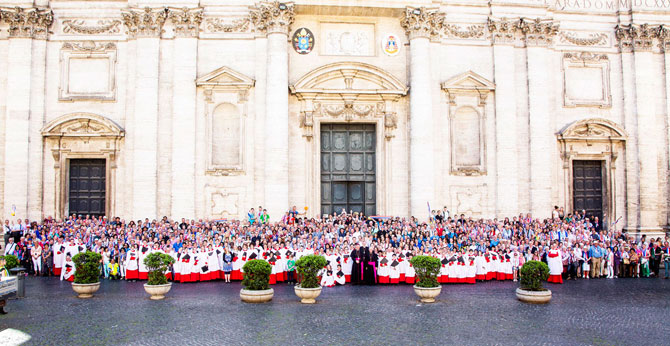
(225,77)
(469,81)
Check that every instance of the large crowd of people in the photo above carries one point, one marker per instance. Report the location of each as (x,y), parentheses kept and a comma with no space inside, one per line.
(358,249)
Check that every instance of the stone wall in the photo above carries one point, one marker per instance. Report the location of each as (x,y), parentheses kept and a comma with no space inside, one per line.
(480,108)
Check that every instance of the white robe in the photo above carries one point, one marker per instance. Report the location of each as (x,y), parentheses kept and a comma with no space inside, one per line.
(65,274)
(555,263)
(131,264)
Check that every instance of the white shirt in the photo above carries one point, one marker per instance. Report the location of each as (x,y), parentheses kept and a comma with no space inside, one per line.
(9,249)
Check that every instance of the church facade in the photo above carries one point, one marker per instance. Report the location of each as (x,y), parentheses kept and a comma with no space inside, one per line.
(203,109)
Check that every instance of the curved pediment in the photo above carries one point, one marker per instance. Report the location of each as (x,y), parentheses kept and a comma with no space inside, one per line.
(593,129)
(82,125)
(348,78)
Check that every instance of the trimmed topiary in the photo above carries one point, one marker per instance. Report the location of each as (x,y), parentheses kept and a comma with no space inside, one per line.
(157,263)
(256,275)
(427,268)
(88,267)
(308,268)
(532,274)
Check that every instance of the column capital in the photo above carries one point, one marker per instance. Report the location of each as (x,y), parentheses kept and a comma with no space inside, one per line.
(27,22)
(186,21)
(539,32)
(533,32)
(145,22)
(272,17)
(422,22)
(641,37)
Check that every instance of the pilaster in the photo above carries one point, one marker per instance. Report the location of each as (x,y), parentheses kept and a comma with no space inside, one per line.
(536,35)
(273,20)
(637,44)
(186,24)
(420,25)
(26,56)
(507,177)
(145,26)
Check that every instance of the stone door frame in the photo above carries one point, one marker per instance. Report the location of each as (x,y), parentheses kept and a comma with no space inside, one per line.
(81,136)
(592,139)
(348,93)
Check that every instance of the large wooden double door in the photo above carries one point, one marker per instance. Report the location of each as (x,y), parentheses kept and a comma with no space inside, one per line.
(87,188)
(348,168)
(587,187)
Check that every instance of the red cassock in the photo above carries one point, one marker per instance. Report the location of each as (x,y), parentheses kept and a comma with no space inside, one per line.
(555,267)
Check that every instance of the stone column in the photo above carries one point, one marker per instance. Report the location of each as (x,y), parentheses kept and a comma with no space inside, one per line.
(421,24)
(538,36)
(507,178)
(144,26)
(186,24)
(274,19)
(26,26)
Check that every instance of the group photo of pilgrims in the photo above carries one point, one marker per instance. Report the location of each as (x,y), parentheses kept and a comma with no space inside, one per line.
(359,250)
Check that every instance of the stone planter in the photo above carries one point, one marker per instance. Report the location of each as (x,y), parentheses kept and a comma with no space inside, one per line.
(307,295)
(158,292)
(427,295)
(536,297)
(85,290)
(263,296)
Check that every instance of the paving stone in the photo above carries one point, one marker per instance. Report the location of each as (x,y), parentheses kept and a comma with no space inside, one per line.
(585,312)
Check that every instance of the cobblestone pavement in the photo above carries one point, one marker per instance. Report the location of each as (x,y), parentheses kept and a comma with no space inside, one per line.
(600,312)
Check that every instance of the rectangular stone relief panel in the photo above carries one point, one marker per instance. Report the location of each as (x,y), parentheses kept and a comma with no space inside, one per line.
(347,39)
(586,80)
(88,71)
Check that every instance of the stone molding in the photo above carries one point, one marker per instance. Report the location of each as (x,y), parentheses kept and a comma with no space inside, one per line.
(74,51)
(222,25)
(592,139)
(532,32)
(586,39)
(27,22)
(365,93)
(580,61)
(642,37)
(422,22)
(145,22)
(82,27)
(224,85)
(468,89)
(592,129)
(464,31)
(82,135)
(82,125)
(272,17)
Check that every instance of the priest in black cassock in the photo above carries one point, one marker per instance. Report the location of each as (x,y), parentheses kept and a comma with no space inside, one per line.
(371,265)
(358,257)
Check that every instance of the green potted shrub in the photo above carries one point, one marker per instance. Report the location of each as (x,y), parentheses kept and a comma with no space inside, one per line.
(256,282)
(427,268)
(308,268)
(531,276)
(87,274)
(157,264)
(11,261)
